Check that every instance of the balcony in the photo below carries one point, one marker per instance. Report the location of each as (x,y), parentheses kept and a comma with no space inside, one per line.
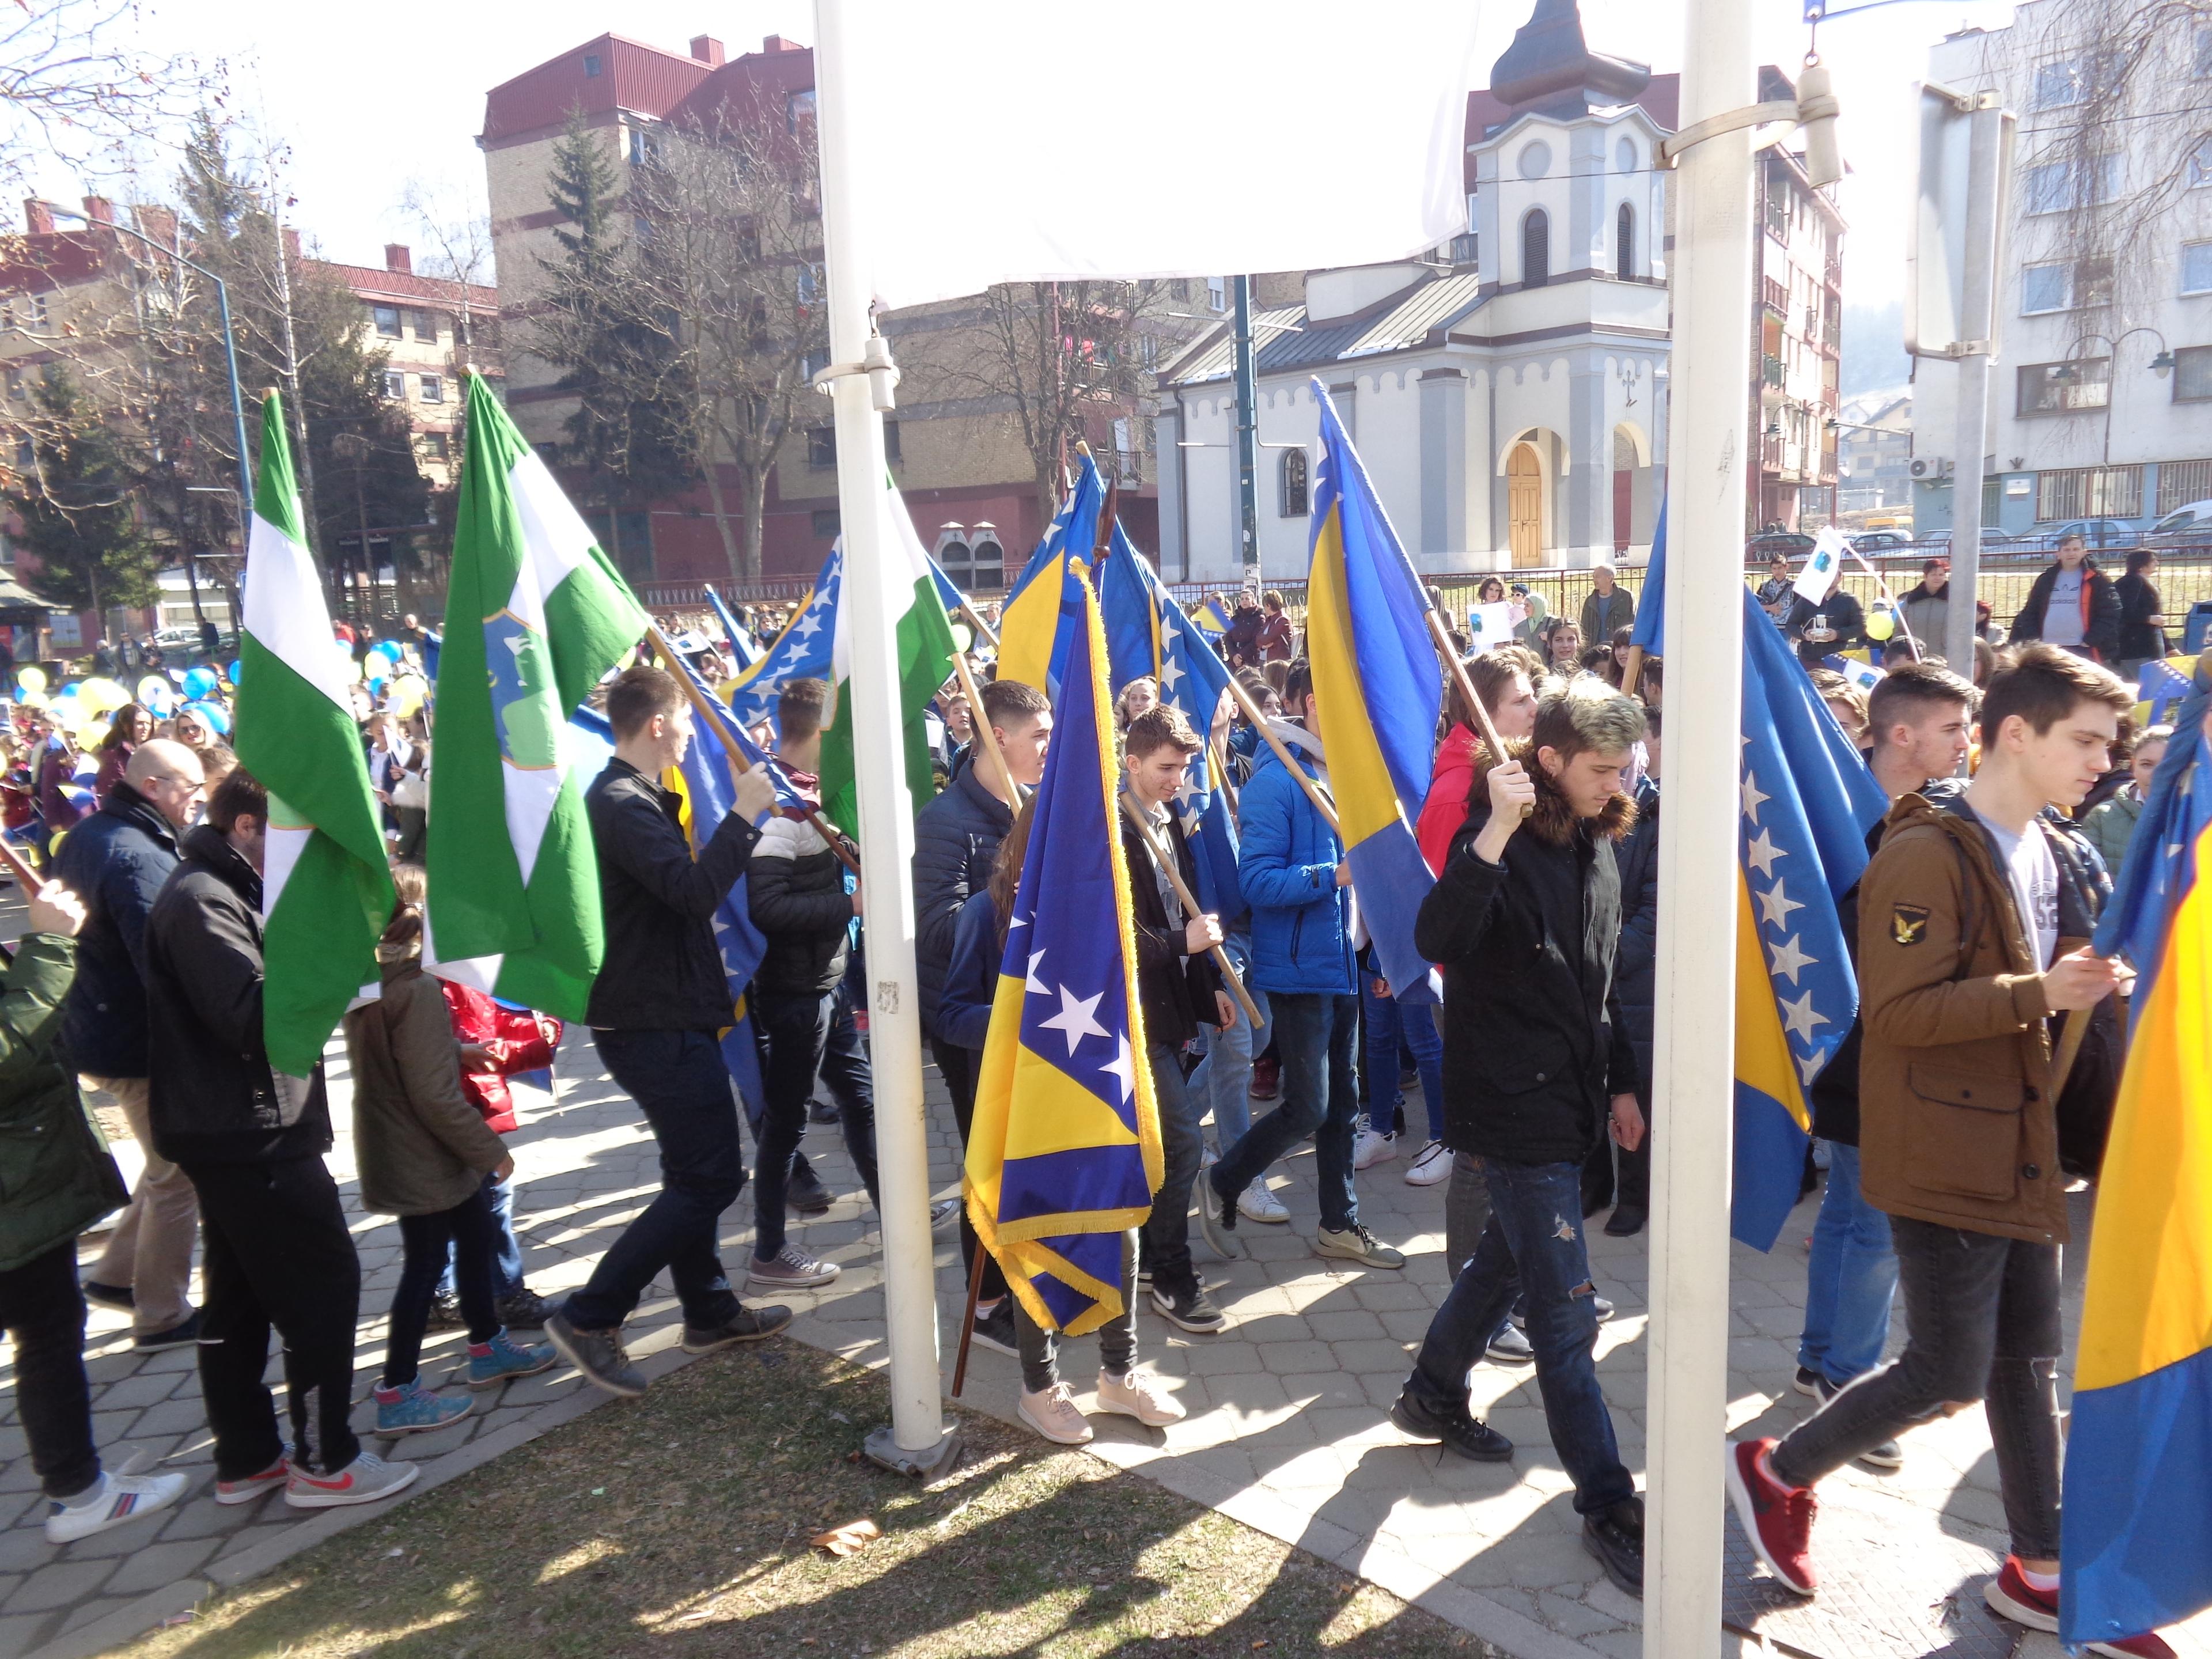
(1769,370)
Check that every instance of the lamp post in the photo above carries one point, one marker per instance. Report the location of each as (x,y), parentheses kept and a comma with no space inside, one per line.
(2161,366)
(1245,377)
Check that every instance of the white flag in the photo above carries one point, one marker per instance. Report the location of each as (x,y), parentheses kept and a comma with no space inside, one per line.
(1824,567)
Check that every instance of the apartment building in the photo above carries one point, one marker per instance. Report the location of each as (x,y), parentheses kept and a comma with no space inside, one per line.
(1798,358)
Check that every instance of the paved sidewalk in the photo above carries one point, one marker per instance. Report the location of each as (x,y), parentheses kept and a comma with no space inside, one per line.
(1287,1431)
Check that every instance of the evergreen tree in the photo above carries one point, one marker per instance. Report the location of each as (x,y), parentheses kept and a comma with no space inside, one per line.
(79,521)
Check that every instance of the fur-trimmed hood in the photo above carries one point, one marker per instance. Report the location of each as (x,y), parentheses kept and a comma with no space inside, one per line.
(1554,820)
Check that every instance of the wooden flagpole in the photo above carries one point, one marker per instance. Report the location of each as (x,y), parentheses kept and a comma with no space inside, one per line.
(1457,670)
(1165,859)
(980,722)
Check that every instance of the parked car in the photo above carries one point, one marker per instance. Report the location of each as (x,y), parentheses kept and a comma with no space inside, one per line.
(1872,541)
(2100,534)
(2188,524)
(1759,548)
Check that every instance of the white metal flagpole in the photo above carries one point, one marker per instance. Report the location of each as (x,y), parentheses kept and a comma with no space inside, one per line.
(917,1441)
(1707,466)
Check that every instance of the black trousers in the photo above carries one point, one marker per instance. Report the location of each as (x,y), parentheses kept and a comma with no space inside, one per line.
(959,1065)
(42,1309)
(275,1253)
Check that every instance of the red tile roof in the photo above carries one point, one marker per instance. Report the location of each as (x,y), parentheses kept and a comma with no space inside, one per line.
(647,80)
(406,285)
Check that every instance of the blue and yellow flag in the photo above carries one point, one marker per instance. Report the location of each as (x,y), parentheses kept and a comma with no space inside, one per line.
(802,652)
(1213,618)
(1808,803)
(2136,1546)
(1064,1150)
(1379,690)
(1037,618)
(1148,636)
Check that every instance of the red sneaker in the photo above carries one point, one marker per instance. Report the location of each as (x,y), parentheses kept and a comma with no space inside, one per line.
(2011,1596)
(1777,1519)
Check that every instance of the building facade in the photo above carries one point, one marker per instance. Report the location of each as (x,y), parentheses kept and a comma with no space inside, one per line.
(1797,361)
(1874,449)
(2100,397)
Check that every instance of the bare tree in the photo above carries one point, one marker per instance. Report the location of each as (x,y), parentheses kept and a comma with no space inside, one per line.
(458,241)
(76,88)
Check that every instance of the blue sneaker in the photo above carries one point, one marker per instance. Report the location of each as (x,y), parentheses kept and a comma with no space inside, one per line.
(492,1363)
(412,1409)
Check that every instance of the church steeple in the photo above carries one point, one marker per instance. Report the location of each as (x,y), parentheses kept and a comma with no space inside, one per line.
(1550,69)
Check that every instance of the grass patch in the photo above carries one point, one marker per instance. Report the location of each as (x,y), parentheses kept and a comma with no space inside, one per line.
(678,1527)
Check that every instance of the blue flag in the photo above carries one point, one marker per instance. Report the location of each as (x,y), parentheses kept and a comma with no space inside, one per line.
(1147,636)
(802,652)
(1036,621)
(742,650)
(1064,1150)
(1378,689)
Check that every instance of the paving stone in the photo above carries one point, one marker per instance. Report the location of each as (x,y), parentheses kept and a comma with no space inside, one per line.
(153,1566)
(61,1584)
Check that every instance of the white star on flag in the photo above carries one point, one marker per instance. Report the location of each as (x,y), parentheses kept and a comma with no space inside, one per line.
(1170,672)
(1788,958)
(1777,905)
(1799,1017)
(1760,852)
(808,625)
(1033,982)
(1123,1066)
(1074,1020)
(1754,796)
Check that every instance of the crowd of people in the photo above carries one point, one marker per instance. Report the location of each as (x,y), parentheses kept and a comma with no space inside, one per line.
(2014,792)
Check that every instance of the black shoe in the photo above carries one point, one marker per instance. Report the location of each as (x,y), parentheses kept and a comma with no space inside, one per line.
(599,1354)
(1452,1426)
(745,1325)
(1217,1217)
(1883,1454)
(821,1111)
(806,1195)
(995,1330)
(1188,1309)
(942,1212)
(1808,1381)
(1615,1536)
(110,1296)
(525,1310)
(181,1335)
(445,1313)
(1626,1221)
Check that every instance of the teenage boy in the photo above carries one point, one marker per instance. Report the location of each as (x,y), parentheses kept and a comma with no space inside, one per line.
(956,843)
(1919,715)
(1526,920)
(656,1012)
(1969,942)
(1179,989)
(1291,867)
(795,885)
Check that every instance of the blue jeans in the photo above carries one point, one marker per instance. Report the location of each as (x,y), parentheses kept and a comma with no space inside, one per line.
(678,1080)
(1166,1230)
(429,1243)
(1534,1242)
(506,1256)
(1315,1035)
(1224,1073)
(1850,1279)
(1389,1020)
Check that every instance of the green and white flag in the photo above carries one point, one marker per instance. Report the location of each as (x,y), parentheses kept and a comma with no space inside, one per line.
(925,662)
(326,887)
(535,616)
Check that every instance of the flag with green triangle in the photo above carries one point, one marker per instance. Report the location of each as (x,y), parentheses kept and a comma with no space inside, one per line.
(924,633)
(535,617)
(326,887)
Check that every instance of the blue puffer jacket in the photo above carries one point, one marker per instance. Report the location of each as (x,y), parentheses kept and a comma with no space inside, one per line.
(1286,865)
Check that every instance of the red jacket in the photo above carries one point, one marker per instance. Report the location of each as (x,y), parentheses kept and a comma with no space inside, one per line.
(519,1042)
(1445,809)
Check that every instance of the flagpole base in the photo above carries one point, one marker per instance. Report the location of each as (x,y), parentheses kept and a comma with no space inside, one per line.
(883,1449)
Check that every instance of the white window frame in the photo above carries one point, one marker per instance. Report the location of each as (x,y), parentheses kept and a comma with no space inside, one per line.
(395,385)
(433,388)
(2204,252)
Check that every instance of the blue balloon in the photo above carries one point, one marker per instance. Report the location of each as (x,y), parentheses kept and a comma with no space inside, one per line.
(69,690)
(214,716)
(199,683)
(385,649)
(234,666)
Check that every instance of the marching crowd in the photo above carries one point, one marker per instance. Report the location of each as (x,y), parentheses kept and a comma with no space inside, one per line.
(1947,1162)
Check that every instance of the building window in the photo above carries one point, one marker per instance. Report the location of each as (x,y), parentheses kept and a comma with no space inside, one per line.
(2089,492)
(433,446)
(2058,86)
(1293,484)
(2200,165)
(891,442)
(434,388)
(2065,388)
(16,389)
(2197,267)
(27,456)
(386,318)
(1217,293)
(798,108)
(395,383)
(426,327)
(2065,285)
(549,452)
(825,522)
(821,447)
(1624,242)
(590,66)
(2193,374)
(1535,249)
(2060,187)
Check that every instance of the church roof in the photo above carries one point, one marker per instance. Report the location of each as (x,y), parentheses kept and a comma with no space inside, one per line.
(1416,317)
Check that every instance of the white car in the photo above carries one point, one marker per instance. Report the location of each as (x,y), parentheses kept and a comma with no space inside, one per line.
(2189,523)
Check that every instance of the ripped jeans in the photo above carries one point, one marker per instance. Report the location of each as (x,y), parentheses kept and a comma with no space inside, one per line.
(1534,1241)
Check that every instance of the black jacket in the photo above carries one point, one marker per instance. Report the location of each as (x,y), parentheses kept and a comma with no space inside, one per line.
(956,843)
(1174,987)
(2139,603)
(1534,1041)
(1846,615)
(796,888)
(1635,969)
(211,1095)
(116,862)
(2102,633)
(661,971)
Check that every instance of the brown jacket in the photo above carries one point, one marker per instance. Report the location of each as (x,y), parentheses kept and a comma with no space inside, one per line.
(419,1143)
(1957,1126)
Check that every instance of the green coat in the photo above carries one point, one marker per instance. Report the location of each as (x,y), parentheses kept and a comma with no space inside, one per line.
(2112,824)
(56,1177)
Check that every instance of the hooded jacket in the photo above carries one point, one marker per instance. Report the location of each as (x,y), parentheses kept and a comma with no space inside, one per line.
(419,1142)
(1957,1126)
(795,886)
(956,843)
(517,1039)
(56,1173)
(116,860)
(1286,864)
(1174,987)
(1534,1042)
(1444,809)
(2101,610)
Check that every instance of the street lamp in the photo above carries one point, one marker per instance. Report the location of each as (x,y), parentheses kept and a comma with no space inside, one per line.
(229,341)
(2066,374)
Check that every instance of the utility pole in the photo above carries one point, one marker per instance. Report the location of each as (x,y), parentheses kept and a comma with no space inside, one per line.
(1977,345)
(1247,419)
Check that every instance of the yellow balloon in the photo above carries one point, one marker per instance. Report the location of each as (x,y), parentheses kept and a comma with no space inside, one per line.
(32,700)
(31,679)
(155,687)
(1881,625)
(102,696)
(405,698)
(89,734)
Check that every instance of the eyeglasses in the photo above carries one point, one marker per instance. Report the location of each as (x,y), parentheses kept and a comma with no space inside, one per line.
(192,785)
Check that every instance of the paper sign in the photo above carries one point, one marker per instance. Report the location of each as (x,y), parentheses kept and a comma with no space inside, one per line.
(1489,626)
(1824,568)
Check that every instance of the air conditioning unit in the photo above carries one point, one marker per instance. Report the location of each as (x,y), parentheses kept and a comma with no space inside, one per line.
(1930,466)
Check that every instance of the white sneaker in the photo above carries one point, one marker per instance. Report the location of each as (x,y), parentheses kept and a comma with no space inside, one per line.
(1432,1164)
(1138,1395)
(110,1501)
(1053,1414)
(1207,1158)
(1256,1203)
(1368,1149)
